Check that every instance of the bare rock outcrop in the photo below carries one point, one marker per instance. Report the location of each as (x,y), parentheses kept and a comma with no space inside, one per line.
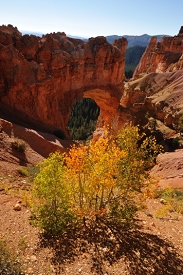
(41,78)
(159,95)
(156,89)
(38,145)
(166,55)
(169,169)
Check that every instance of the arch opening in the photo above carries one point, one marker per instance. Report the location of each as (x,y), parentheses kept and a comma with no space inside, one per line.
(83,119)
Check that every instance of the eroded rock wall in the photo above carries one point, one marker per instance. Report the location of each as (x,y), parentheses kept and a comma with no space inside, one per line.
(156,95)
(41,78)
(166,55)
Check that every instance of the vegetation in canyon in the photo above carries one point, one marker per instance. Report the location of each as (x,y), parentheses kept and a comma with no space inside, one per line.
(132,58)
(103,182)
(83,119)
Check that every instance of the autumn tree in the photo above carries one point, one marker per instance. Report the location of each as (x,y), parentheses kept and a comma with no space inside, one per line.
(97,183)
(51,196)
(92,172)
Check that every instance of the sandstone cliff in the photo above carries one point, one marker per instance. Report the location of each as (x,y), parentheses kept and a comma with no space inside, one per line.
(157,98)
(38,145)
(41,78)
(166,55)
(155,94)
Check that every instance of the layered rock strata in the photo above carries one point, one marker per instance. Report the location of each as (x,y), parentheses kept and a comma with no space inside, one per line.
(166,55)
(156,90)
(41,78)
(156,95)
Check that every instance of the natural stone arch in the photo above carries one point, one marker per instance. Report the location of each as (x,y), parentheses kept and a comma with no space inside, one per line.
(108,100)
(108,104)
(41,78)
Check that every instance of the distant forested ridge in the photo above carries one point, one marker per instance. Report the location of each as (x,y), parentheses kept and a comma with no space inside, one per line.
(133,56)
(141,40)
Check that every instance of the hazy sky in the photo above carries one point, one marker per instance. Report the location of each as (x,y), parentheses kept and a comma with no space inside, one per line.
(94,17)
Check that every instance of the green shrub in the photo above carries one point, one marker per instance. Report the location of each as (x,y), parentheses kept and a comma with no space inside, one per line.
(180,124)
(172,202)
(23,171)
(152,123)
(30,171)
(51,194)
(9,264)
(33,171)
(18,145)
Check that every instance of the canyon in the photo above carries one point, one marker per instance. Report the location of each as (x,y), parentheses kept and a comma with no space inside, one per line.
(42,77)
(157,87)
(40,80)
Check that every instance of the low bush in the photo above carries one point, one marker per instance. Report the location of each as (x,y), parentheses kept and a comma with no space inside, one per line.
(172,200)
(18,145)
(33,171)
(30,171)
(23,172)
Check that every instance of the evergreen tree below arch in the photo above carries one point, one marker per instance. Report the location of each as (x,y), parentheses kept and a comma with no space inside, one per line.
(83,118)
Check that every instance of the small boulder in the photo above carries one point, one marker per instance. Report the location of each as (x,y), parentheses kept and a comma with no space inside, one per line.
(17,206)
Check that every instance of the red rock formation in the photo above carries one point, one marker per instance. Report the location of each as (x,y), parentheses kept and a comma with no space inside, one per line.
(157,87)
(166,55)
(40,143)
(158,94)
(41,78)
(169,169)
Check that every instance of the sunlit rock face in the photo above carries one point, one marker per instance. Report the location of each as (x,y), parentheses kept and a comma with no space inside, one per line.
(156,89)
(163,56)
(160,95)
(41,78)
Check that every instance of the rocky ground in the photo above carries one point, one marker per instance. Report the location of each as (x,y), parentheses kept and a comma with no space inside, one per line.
(154,247)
